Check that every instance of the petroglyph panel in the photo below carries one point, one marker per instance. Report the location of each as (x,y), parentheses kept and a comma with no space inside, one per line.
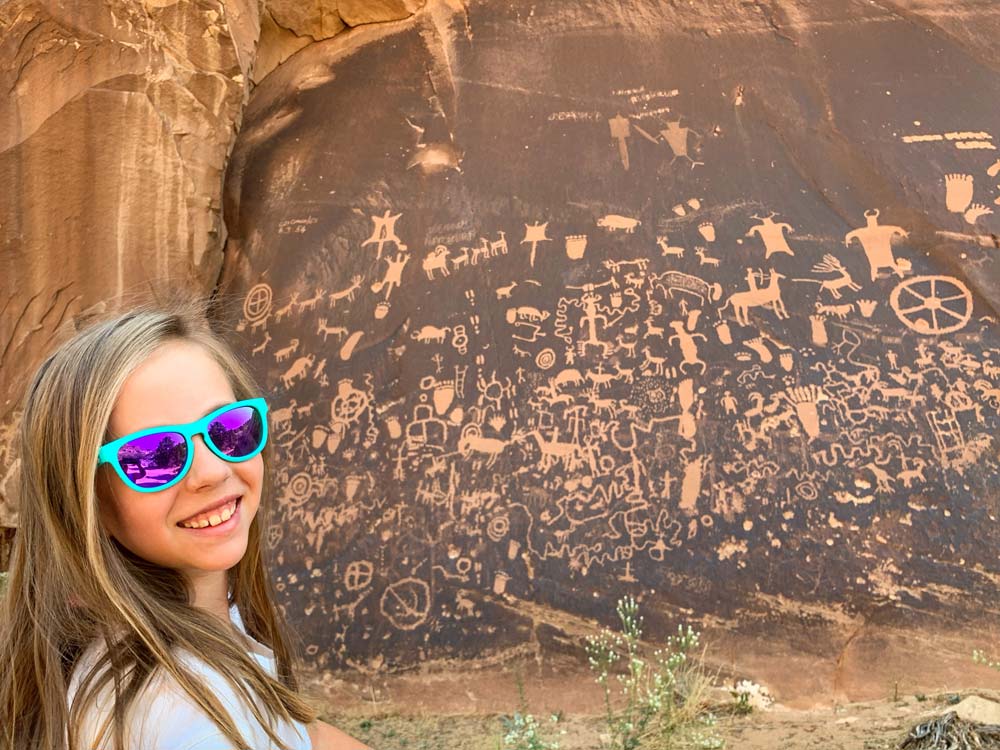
(588,315)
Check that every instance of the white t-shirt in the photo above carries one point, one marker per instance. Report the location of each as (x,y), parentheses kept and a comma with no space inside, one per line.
(164,717)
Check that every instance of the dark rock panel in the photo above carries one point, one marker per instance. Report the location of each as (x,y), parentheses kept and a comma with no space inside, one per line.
(556,303)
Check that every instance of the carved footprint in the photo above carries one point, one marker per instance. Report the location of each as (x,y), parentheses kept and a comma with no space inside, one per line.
(975,211)
(958,192)
(758,345)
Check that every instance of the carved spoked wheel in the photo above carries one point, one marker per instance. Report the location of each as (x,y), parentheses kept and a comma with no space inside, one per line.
(932,304)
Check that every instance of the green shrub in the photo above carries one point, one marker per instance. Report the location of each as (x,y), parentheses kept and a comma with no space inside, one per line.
(662,700)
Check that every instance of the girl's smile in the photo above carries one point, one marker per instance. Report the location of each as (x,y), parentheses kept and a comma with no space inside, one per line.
(221,520)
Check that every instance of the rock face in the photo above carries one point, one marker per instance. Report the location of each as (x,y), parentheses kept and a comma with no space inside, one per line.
(289,25)
(588,299)
(113,142)
(556,302)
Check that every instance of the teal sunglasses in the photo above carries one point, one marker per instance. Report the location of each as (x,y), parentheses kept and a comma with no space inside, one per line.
(155,459)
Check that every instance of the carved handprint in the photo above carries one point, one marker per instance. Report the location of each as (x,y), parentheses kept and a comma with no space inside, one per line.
(975,211)
(958,192)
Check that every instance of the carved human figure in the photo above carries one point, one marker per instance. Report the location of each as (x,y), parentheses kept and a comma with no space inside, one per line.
(393,274)
(773,235)
(876,241)
(676,137)
(383,232)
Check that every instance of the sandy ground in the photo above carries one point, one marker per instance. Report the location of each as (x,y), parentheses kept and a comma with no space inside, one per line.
(872,725)
(865,697)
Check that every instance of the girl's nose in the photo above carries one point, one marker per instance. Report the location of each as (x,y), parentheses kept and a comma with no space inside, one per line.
(207,469)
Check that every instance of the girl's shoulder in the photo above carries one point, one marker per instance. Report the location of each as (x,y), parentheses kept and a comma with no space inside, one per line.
(165,716)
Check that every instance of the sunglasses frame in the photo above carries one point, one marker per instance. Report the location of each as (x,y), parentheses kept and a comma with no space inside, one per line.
(108,452)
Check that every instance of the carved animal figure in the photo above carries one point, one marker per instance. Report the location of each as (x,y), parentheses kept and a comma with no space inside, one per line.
(684,283)
(566,377)
(503,292)
(988,392)
(472,442)
(653,361)
(282,354)
(900,393)
(480,252)
(499,246)
(635,280)
(838,311)
(627,346)
(631,409)
(831,264)
(431,334)
(282,416)
(461,259)
(562,398)
(259,349)
(705,260)
(603,405)
(908,476)
(613,222)
(298,370)
(310,304)
(625,373)
(770,295)
(600,379)
(652,330)
(527,313)
(436,260)
(883,482)
(553,451)
(283,311)
(334,297)
(322,327)
(666,249)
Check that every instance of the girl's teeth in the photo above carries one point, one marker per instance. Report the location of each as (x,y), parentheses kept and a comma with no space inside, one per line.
(214,520)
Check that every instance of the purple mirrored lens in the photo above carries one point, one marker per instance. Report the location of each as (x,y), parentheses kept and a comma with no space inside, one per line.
(153,460)
(237,432)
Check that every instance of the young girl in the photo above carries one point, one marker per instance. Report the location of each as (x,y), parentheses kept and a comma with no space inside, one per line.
(139,612)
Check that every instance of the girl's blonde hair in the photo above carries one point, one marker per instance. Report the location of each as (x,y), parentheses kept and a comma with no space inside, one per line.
(70,582)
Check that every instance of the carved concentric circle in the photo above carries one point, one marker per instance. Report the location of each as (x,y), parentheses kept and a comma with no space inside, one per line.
(545,359)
